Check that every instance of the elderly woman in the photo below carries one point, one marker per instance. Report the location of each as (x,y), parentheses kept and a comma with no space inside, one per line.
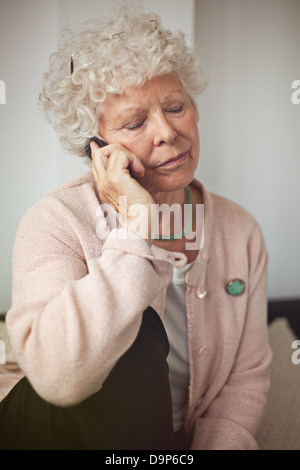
(146,330)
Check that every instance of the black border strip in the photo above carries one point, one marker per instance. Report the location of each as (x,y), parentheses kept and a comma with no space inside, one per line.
(287,308)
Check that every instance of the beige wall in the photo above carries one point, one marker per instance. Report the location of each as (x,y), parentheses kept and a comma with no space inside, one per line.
(250,128)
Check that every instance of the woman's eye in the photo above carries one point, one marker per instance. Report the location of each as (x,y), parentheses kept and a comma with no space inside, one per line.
(134,127)
(175,109)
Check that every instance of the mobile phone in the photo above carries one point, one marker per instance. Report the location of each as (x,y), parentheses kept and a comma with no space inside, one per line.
(99,142)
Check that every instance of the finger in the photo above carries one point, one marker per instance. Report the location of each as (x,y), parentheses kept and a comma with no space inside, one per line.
(94,147)
(97,154)
(99,159)
(121,159)
(99,164)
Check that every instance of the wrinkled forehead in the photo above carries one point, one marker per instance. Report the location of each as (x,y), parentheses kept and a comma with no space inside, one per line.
(160,90)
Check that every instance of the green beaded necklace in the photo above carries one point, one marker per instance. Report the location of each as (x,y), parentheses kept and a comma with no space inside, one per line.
(177,236)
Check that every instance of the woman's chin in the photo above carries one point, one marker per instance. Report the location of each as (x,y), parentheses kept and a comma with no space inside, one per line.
(167,182)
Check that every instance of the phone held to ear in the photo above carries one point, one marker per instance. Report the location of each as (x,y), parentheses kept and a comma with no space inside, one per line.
(99,142)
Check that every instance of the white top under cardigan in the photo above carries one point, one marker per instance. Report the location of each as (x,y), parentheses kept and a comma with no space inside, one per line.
(175,323)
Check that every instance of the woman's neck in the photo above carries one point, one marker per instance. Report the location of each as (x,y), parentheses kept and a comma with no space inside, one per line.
(182,244)
(170,197)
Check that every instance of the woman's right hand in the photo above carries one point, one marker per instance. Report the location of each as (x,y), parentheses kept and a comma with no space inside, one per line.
(117,187)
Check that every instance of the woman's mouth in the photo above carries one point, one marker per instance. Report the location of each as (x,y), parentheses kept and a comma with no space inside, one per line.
(176,161)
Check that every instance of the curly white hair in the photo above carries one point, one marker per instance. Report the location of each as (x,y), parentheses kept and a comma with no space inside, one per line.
(106,57)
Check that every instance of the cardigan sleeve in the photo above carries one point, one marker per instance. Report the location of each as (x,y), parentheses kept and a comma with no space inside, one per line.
(235,414)
(72,319)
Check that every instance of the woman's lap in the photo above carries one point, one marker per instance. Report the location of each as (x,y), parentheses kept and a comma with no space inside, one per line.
(133,409)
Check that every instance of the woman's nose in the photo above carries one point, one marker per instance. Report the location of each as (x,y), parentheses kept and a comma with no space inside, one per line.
(163,131)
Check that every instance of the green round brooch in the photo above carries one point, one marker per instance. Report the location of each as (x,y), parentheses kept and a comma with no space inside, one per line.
(235,287)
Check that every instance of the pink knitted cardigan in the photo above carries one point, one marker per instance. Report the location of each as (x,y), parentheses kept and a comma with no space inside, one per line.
(79,290)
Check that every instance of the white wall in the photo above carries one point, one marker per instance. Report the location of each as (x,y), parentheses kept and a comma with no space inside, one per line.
(32,163)
(250,129)
(249,126)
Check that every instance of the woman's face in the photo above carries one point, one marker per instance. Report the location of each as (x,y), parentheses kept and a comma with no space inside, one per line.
(158,123)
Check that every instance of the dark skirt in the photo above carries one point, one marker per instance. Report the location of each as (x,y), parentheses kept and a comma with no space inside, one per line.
(133,409)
